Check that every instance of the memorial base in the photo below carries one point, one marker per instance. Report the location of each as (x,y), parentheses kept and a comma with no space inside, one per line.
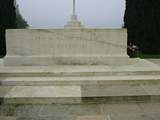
(43,47)
(65,60)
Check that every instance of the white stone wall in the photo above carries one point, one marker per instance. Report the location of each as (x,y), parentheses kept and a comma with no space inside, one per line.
(65,45)
(1,62)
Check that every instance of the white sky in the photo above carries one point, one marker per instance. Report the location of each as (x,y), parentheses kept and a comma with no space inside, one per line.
(56,13)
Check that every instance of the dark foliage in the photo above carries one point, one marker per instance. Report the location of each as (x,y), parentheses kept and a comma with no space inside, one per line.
(142,19)
(7,20)
(20,21)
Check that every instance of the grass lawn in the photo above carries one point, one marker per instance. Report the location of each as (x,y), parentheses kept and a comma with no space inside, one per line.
(149,56)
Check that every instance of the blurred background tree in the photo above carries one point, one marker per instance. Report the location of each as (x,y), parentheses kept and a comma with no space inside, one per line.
(142,19)
(20,21)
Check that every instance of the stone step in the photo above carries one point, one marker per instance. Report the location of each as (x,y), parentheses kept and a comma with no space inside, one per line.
(40,95)
(76,70)
(79,94)
(121,111)
(104,116)
(90,80)
(121,116)
(7,118)
(94,117)
(155,61)
(120,93)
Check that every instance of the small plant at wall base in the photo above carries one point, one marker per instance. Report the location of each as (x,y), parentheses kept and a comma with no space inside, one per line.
(133,50)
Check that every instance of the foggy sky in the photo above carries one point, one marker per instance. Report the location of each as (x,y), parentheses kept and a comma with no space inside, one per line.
(56,13)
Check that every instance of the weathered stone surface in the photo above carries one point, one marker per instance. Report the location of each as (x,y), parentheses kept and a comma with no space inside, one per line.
(131,116)
(156,61)
(89,80)
(66,46)
(153,107)
(1,62)
(7,118)
(4,90)
(42,94)
(56,110)
(49,80)
(133,67)
(121,108)
(127,111)
(112,90)
(137,81)
(93,117)
(80,94)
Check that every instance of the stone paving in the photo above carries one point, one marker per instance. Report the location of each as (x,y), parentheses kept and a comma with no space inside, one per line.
(156,61)
(125,111)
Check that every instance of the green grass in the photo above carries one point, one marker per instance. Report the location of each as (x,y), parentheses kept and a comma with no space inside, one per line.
(149,56)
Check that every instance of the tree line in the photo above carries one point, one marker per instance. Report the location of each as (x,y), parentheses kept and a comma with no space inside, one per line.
(142,19)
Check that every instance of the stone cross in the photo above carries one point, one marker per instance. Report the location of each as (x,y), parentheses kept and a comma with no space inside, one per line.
(74,7)
(74,23)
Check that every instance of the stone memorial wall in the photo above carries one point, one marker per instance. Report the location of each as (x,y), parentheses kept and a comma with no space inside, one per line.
(65,46)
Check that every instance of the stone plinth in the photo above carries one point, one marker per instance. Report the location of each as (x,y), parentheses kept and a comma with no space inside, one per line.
(74,23)
(66,47)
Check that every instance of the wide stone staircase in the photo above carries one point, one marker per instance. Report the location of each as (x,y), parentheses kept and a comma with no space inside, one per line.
(75,86)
